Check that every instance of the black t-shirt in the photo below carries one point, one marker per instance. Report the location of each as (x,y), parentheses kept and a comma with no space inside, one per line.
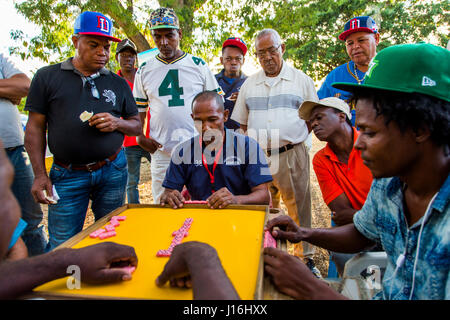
(58,92)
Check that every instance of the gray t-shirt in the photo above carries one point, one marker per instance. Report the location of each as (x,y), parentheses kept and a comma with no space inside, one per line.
(11,131)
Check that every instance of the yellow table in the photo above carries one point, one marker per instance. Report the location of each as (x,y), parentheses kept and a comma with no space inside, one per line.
(235,232)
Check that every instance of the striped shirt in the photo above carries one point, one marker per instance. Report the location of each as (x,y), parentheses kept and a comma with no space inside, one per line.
(269,106)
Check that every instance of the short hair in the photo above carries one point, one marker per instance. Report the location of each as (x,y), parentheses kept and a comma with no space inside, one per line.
(349,122)
(209,95)
(412,111)
(272,32)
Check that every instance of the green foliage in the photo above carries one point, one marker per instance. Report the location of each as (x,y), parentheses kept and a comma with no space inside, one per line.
(309,27)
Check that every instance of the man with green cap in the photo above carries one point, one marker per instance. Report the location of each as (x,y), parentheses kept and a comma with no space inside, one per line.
(403,113)
(167,84)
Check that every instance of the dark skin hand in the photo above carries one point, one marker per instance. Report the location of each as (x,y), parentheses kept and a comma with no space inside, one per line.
(293,278)
(106,122)
(148,144)
(341,210)
(98,264)
(173,198)
(344,239)
(197,265)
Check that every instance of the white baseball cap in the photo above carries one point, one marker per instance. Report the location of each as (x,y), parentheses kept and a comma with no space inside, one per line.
(307,107)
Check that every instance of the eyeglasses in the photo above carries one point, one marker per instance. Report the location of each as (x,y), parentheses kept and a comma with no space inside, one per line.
(271,50)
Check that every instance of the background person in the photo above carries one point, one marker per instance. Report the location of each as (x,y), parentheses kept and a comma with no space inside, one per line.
(126,55)
(231,77)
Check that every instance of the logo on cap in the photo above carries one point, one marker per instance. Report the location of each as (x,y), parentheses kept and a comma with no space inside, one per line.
(103,24)
(354,23)
(427,82)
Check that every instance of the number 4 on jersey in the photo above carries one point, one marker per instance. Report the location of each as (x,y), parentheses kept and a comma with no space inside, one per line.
(171,87)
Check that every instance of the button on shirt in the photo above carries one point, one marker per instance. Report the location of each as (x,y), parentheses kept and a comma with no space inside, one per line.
(269,106)
(382,219)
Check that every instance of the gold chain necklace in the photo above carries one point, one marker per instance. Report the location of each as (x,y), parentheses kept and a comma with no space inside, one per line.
(355,75)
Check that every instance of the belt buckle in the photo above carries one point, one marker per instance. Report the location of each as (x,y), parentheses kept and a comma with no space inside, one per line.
(88,166)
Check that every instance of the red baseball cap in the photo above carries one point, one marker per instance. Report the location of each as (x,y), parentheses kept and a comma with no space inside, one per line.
(236,42)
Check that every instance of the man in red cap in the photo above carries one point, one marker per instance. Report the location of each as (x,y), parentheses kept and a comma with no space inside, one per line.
(231,77)
(86,110)
(361,39)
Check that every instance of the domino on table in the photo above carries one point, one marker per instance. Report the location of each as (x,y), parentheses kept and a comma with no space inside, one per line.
(105,235)
(269,240)
(96,233)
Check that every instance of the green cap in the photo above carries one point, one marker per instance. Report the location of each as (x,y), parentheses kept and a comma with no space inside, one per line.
(422,68)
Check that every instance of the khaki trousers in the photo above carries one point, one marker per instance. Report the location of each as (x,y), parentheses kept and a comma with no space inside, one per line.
(290,172)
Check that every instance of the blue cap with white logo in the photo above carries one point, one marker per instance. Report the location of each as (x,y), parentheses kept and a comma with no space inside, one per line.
(359,24)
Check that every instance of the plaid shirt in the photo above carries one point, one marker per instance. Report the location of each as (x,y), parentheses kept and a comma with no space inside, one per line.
(382,220)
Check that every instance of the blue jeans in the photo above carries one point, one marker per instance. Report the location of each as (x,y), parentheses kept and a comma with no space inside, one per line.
(33,236)
(134,155)
(105,187)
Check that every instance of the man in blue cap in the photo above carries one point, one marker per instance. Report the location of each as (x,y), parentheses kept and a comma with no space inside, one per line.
(87,110)
(361,39)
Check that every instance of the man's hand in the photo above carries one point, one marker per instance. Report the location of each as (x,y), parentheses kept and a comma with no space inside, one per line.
(42,183)
(15,101)
(197,265)
(293,278)
(148,144)
(221,199)
(104,262)
(172,197)
(233,97)
(288,229)
(104,122)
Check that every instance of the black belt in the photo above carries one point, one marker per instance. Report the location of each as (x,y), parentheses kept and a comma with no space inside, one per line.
(280,150)
(90,166)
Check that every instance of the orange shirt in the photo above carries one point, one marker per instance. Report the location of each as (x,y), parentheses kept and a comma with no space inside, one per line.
(353,179)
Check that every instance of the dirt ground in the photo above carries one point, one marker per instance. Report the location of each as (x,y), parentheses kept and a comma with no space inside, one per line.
(320,212)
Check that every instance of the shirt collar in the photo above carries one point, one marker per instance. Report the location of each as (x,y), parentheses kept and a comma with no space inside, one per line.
(68,66)
(330,154)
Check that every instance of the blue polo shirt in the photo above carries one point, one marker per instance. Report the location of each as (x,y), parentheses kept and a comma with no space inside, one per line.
(230,87)
(240,167)
(343,73)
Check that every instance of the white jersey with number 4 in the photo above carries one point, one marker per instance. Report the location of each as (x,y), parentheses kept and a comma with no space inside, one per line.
(168,89)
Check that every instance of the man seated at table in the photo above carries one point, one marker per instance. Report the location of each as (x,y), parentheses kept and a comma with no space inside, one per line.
(221,168)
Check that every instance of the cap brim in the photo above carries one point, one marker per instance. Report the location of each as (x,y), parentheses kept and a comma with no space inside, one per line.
(306,109)
(345,34)
(164,27)
(125,48)
(354,87)
(100,35)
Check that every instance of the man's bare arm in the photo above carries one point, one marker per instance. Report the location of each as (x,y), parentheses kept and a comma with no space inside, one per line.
(16,87)
(342,210)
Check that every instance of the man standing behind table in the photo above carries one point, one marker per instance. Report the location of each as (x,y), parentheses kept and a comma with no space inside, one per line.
(87,110)
(231,77)
(14,85)
(268,105)
(126,55)
(361,40)
(167,84)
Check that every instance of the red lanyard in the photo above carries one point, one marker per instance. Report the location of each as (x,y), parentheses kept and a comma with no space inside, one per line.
(205,164)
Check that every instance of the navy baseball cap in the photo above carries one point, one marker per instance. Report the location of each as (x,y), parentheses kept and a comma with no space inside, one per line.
(358,24)
(94,24)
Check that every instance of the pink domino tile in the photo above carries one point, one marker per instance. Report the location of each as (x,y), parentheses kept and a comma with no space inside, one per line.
(163,253)
(110,227)
(96,233)
(130,269)
(114,223)
(119,218)
(269,240)
(106,235)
